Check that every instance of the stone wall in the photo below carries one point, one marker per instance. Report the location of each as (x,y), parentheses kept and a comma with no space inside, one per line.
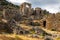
(9,14)
(53,22)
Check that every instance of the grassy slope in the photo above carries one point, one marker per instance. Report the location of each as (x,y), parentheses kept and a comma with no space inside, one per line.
(20,37)
(17,37)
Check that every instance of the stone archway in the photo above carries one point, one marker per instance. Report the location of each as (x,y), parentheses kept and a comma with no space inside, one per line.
(21,32)
(25,9)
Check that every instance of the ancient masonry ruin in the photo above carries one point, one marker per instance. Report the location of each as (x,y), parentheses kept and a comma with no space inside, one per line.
(27,14)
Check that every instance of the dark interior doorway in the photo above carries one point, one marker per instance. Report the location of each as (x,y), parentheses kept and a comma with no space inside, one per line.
(21,32)
(44,23)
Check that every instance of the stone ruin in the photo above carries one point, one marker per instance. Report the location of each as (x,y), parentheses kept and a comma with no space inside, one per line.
(27,10)
(52,22)
(28,14)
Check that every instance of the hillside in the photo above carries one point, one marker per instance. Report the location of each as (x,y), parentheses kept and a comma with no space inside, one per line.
(6,4)
(27,21)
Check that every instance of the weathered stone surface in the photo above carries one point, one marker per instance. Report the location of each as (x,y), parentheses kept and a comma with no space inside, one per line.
(25,9)
(53,22)
(26,14)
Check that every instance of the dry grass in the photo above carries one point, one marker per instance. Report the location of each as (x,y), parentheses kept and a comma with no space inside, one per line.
(57,38)
(8,37)
(16,37)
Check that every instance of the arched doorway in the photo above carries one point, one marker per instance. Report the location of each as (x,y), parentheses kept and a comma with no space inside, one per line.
(44,24)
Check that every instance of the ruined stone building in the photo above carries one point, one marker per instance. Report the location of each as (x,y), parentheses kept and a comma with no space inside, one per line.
(26,10)
(28,14)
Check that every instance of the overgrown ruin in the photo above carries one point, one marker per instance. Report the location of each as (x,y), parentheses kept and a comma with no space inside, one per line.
(29,16)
